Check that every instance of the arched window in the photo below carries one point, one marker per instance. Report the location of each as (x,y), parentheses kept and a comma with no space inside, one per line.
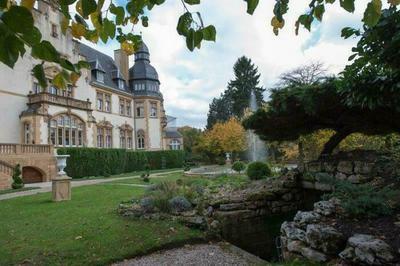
(175,144)
(67,131)
(141,139)
(104,135)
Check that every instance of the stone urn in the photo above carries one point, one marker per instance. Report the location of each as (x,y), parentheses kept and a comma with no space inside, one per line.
(61,163)
(61,183)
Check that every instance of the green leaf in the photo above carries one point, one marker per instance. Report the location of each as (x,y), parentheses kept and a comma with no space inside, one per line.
(45,51)
(83,64)
(3,4)
(64,63)
(109,28)
(348,32)
(145,21)
(88,7)
(38,73)
(198,37)
(19,19)
(59,81)
(192,2)
(119,13)
(10,49)
(184,24)
(372,13)
(209,33)
(330,1)
(33,37)
(190,40)
(319,11)
(348,5)
(306,21)
(251,6)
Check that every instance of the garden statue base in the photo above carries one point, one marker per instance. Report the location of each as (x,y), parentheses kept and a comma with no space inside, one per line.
(61,188)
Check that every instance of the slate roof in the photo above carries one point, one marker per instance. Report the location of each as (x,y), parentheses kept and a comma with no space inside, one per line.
(172,133)
(105,63)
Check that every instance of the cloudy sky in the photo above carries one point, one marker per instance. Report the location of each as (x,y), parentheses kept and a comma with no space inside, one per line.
(189,80)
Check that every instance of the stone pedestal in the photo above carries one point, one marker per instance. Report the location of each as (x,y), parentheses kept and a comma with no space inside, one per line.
(61,188)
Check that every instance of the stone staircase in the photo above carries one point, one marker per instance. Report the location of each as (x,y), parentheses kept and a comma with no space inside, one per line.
(6,171)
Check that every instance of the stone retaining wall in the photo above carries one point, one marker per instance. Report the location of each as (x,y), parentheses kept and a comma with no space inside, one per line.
(357,167)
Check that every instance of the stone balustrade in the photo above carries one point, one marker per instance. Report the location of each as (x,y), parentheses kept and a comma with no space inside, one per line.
(6,168)
(45,97)
(17,149)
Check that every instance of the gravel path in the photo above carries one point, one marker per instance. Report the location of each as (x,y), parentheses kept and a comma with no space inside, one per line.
(47,186)
(197,255)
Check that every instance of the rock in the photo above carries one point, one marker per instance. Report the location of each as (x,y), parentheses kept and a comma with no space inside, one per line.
(147,205)
(304,218)
(345,167)
(287,197)
(367,249)
(313,255)
(289,230)
(325,208)
(340,176)
(363,167)
(295,246)
(232,206)
(329,167)
(210,211)
(194,222)
(325,238)
(358,179)
(215,225)
(323,186)
(180,204)
(314,167)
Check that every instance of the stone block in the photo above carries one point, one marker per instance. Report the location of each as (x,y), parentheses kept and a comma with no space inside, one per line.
(363,168)
(232,206)
(61,186)
(323,186)
(340,176)
(358,179)
(345,167)
(328,167)
(325,238)
(314,167)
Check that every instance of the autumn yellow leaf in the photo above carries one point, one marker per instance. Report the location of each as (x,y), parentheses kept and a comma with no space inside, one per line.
(78,30)
(28,3)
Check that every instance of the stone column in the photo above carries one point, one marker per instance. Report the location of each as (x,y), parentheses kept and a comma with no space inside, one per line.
(61,183)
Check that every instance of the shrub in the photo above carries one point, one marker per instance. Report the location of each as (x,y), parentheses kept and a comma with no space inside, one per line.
(360,200)
(238,166)
(258,170)
(147,204)
(17,179)
(180,204)
(104,162)
(220,161)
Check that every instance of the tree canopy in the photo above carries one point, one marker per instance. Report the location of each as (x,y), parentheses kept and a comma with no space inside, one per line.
(236,98)
(93,21)
(301,110)
(363,99)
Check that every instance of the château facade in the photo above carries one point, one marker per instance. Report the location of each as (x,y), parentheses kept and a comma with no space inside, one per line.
(112,105)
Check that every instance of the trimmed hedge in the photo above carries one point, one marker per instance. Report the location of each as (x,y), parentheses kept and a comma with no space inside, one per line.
(85,162)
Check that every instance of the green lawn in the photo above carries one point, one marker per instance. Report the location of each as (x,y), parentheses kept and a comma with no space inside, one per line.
(7,191)
(84,231)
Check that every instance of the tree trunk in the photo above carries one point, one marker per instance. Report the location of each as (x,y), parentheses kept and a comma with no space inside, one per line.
(333,142)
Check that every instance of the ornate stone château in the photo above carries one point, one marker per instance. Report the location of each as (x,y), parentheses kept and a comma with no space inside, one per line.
(111,105)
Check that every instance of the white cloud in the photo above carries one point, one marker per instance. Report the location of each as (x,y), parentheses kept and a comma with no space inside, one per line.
(190,80)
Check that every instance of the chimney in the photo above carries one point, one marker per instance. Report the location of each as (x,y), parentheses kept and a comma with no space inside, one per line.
(122,61)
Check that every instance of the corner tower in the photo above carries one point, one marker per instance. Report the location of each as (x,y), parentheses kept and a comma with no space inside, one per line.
(149,116)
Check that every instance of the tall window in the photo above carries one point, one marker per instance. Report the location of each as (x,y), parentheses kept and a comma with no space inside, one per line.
(68,91)
(104,135)
(103,102)
(140,139)
(66,131)
(121,84)
(125,137)
(139,109)
(153,109)
(27,133)
(175,144)
(125,108)
(53,90)
(36,88)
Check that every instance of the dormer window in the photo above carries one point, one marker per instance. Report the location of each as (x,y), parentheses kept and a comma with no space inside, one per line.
(54,32)
(121,84)
(100,76)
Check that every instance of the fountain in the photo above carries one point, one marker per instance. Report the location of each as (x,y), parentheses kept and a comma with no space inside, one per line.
(257,150)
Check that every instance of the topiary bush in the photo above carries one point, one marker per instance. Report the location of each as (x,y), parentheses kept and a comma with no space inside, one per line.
(180,204)
(104,162)
(238,166)
(258,170)
(17,179)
